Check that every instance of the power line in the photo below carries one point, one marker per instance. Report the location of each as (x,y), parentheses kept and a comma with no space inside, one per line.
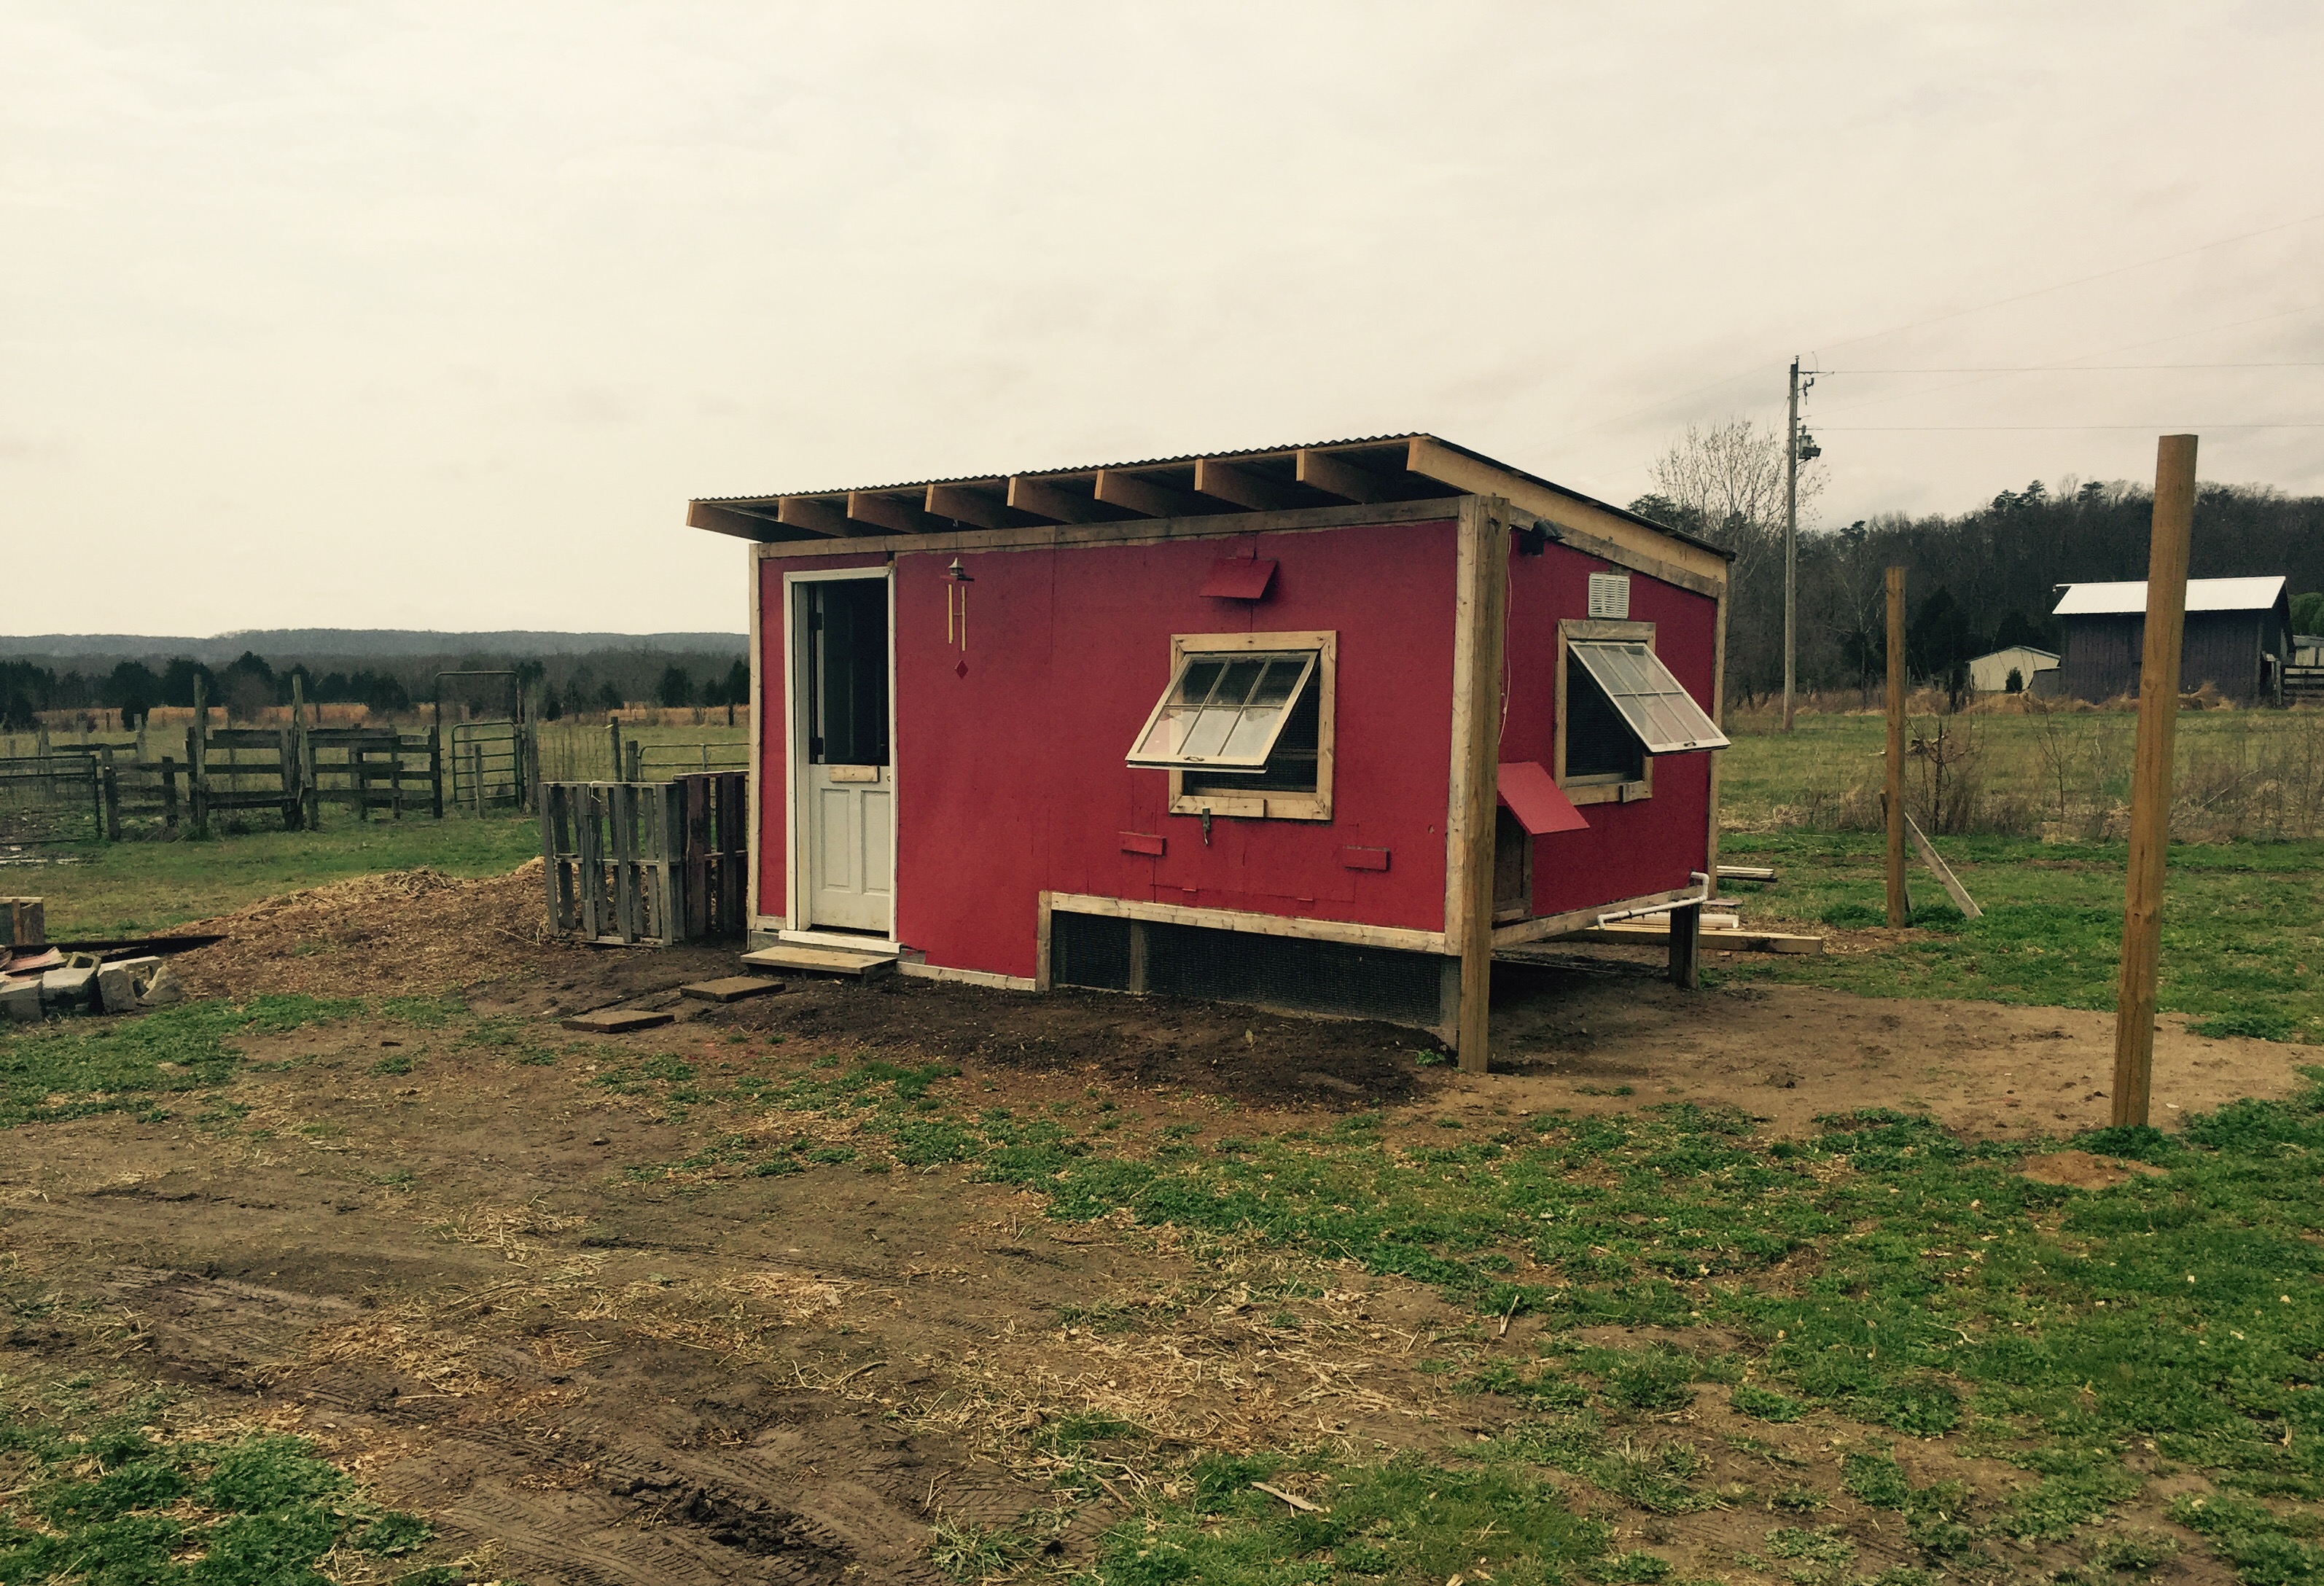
(2151,428)
(2065,368)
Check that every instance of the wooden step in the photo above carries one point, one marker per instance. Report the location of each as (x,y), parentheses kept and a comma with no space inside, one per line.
(1728,941)
(807,959)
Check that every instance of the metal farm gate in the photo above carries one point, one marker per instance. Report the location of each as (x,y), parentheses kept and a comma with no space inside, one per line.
(50,798)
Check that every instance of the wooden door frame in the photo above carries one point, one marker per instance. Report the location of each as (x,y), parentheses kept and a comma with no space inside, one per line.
(798,923)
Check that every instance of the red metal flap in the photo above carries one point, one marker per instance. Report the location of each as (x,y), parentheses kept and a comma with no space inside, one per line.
(1143,842)
(1536,800)
(1239,578)
(1364,858)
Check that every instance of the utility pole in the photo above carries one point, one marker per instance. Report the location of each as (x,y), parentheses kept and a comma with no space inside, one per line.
(1791,542)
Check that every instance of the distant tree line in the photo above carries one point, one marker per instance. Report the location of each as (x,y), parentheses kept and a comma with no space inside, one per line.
(1975,582)
(586,684)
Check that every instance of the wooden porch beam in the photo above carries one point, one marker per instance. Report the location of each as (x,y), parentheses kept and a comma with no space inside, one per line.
(898,517)
(744,522)
(964,505)
(1244,488)
(1340,477)
(1149,496)
(1045,500)
(817,516)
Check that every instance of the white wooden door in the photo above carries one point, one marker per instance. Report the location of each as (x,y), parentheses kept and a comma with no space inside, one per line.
(851,873)
(844,783)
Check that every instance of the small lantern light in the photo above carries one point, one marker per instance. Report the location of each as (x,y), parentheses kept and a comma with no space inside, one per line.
(960,574)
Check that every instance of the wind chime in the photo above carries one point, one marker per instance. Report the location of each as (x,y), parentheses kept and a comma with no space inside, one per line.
(956,614)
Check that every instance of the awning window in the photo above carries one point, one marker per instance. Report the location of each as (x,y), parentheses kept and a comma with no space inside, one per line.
(1655,705)
(1223,712)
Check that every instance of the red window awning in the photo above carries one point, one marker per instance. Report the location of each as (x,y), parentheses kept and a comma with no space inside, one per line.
(1239,578)
(1536,800)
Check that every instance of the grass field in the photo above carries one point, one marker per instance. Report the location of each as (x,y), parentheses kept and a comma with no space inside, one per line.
(2061,772)
(104,889)
(2243,927)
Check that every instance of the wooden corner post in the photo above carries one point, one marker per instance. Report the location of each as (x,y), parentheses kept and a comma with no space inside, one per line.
(1899,906)
(2150,784)
(1479,617)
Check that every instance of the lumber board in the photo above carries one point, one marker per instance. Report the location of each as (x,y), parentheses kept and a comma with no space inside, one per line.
(811,959)
(615,1021)
(1730,941)
(731,988)
(1944,872)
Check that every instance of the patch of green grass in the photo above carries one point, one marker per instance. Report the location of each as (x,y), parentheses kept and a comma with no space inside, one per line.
(397,1064)
(134,888)
(72,1068)
(1403,1521)
(2243,926)
(1765,1404)
(99,1495)
(2268,1548)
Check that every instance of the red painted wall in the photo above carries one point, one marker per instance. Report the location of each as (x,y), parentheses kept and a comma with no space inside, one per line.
(1649,845)
(1010,781)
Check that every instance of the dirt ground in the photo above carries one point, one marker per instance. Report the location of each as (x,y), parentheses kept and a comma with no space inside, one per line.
(584,1375)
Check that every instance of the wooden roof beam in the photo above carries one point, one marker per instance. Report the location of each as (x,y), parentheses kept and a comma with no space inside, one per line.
(889,513)
(1336,476)
(963,504)
(817,515)
(1149,496)
(750,521)
(1045,500)
(1229,482)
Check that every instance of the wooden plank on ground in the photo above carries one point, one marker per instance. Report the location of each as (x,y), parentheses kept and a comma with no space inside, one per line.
(1746,873)
(732,988)
(615,1021)
(1930,857)
(813,960)
(1733,941)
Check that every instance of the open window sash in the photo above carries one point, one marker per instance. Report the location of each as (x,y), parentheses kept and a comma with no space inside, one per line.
(1655,704)
(1223,711)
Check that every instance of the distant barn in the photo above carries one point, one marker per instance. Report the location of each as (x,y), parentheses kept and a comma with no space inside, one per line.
(2238,637)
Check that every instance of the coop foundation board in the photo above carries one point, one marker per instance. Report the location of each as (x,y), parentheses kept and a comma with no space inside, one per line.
(952,680)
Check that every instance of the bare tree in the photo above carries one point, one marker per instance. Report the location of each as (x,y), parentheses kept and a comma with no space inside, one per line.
(1725,483)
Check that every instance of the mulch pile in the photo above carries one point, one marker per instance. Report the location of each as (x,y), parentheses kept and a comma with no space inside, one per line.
(401,933)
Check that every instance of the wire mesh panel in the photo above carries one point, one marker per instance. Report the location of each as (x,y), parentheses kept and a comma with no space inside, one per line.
(50,799)
(1113,955)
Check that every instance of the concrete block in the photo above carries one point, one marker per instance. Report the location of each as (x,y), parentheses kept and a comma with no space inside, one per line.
(164,989)
(116,991)
(73,990)
(732,988)
(20,999)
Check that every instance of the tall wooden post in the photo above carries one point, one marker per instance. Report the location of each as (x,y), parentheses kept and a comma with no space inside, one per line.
(2150,784)
(1479,615)
(1899,907)
(198,758)
(301,756)
(613,747)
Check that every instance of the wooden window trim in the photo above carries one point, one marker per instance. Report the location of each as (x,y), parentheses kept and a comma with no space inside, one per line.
(1597,789)
(1267,806)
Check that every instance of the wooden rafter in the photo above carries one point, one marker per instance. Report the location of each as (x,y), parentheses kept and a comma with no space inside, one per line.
(1336,476)
(744,521)
(889,513)
(962,505)
(1230,483)
(1149,496)
(1045,500)
(816,516)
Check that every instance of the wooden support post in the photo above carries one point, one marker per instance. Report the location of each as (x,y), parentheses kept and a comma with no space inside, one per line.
(1479,613)
(552,864)
(395,773)
(170,794)
(1686,947)
(197,760)
(1899,907)
(634,771)
(286,773)
(300,802)
(1136,985)
(613,748)
(2151,778)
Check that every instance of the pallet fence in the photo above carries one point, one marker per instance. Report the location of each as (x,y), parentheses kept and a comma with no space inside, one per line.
(646,862)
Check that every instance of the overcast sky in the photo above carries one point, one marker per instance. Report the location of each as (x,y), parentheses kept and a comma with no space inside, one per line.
(434,316)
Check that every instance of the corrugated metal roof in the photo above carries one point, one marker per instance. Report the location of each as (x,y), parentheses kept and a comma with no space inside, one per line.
(2128,599)
(1240,455)
(1250,451)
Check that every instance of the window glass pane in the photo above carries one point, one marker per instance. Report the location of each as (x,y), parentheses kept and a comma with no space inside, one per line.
(1283,674)
(1195,683)
(1654,705)
(1234,686)
(1208,734)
